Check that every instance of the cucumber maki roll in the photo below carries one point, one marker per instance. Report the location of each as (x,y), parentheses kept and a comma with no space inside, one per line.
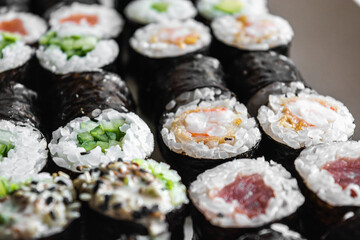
(38,207)
(94,19)
(133,198)
(329,173)
(60,53)
(243,196)
(293,121)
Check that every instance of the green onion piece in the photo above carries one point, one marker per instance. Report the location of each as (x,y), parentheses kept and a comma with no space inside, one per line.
(160,7)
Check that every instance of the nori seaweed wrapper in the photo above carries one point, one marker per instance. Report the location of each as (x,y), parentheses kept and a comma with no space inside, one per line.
(193,72)
(348,229)
(255,70)
(78,94)
(16,5)
(18,103)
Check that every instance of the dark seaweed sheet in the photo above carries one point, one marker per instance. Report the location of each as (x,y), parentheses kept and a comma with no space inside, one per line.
(17,5)
(255,70)
(45,7)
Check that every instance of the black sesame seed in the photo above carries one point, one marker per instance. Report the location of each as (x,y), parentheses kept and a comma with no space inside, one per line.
(85,153)
(120,160)
(52,215)
(154,208)
(34,190)
(49,200)
(136,215)
(51,189)
(228,139)
(145,211)
(142,170)
(97,185)
(220,215)
(105,206)
(102,173)
(117,206)
(33,182)
(66,201)
(61,182)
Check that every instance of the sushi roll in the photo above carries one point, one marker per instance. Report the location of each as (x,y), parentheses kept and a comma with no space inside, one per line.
(141,197)
(78,18)
(95,126)
(161,44)
(211,9)
(330,182)
(293,121)
(255,75)
(241,197)
(26,25)
(38,207)
(237,35)
(60,53)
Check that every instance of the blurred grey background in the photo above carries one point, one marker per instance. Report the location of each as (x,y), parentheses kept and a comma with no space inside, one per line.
(326,47)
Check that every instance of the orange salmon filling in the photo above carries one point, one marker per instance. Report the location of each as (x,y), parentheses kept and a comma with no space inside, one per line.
(262,26)
(13,26)
(92,20)
(210,126)
(175,36)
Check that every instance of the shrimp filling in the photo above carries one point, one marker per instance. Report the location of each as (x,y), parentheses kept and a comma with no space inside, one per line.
(15,25)
(306,112)
(177,36)
(210,126)
(77,18)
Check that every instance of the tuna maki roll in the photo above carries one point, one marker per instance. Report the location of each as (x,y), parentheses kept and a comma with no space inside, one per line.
(40,206)
(134,198)
(242,196)
(94,19)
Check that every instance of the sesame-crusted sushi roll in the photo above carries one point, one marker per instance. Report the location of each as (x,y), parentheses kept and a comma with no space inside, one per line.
(205,133)
(293,121)
(38,207)
(243,196)
(142,197)
(329,173)
(235,36)
(95,19)
(96,126)
(255,75)
(212,9)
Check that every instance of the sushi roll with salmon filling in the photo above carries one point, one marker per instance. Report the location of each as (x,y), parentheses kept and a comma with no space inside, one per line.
(243,196)
(211,9)
(27,26)
(37,207)
(160,44)
(205,133)
(60,53)
(141,197)
(292,122)
(331,183)
(94,19)
(237,35)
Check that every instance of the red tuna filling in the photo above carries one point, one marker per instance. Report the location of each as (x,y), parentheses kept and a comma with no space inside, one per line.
(77,18)
(250,192)
(344,172)
(13,26)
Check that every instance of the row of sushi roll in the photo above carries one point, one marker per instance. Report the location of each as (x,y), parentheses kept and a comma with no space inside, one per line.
(211,126)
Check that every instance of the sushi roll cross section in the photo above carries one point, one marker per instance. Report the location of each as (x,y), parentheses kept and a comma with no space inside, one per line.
(141,191)
(78,18)
(37,206)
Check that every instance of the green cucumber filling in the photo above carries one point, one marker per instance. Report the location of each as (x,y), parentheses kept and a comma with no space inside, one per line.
(6,187)
(160,7)
(170,180)
(229,6)
(103,135)
(6,40)
(5,144)
(71,45)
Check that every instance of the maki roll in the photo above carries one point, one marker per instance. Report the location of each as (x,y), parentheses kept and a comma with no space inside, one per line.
(142,197)
(211,9)
(39,207)
(254,76)
(97,20)
(96,126)
(329,173)
(243,196)
(26,25)
(293,121)
(60,53)
(237,35)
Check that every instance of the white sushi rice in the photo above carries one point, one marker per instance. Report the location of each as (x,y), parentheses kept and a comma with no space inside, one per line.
(286,201)
(261,32)
(33,24)
(137,143)
(109,23)
(15,55)
(207,8)
(142,41)
(141,11)
(310,167)
(30,153)
(328,126)
(246,136)
(55,60)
